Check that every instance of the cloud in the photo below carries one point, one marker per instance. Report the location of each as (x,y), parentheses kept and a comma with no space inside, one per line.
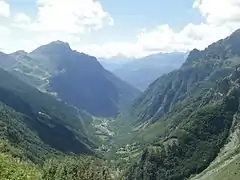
(70,20)
(218,12)
(70,16)
(221,18)
(4,9)
(22,19)
(4,30)
(161,39)
(165,39)
(66,20)
(4,36)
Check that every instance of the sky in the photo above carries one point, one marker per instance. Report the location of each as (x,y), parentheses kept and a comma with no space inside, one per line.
(107,28)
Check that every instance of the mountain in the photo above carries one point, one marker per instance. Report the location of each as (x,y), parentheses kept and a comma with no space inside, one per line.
(76,78)
(188,120)
(215,62)
(39,124)
(114,62)
(186,125)
(142,72)
(44,138)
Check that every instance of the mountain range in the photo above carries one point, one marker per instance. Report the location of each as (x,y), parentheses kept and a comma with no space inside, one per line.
(63,116)
(142,72)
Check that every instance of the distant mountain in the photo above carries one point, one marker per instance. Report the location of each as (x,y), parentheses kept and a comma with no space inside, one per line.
(142,72)
(190,117)
(114,62)
(74,77)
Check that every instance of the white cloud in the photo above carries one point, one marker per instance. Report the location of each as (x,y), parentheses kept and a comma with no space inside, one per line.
(4,36)
(22,19)
(222,17)
(70,16)
(70,20)
(66,20)
(165,39)
(4,30)
(162,39)
(218,12)
(4,9)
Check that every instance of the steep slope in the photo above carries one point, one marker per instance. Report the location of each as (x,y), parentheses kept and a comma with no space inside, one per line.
(38,123)
(14,166)
(142,72)
(192,113)
(213,62)
(74,77)
(192,142)
(226,164)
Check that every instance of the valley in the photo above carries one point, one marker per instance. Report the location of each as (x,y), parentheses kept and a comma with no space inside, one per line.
(64,116)
(111,145)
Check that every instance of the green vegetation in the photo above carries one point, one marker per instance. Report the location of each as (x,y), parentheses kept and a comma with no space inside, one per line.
(42,138)
(38,123)
(186,125)
(230,171)
(13,166)
(209,65)
(11,169)
(186,151)
(189,114)
(76,168)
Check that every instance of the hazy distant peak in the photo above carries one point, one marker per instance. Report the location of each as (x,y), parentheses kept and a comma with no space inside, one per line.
(237,32)
(55,46)
(20,52)
(118,57)
(60,43)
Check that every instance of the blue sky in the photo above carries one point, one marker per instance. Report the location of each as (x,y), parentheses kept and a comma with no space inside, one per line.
(110,27)
(136,15)
(152,12)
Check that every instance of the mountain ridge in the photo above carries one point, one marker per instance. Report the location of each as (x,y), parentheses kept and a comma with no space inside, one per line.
(198,66)
(76,78)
